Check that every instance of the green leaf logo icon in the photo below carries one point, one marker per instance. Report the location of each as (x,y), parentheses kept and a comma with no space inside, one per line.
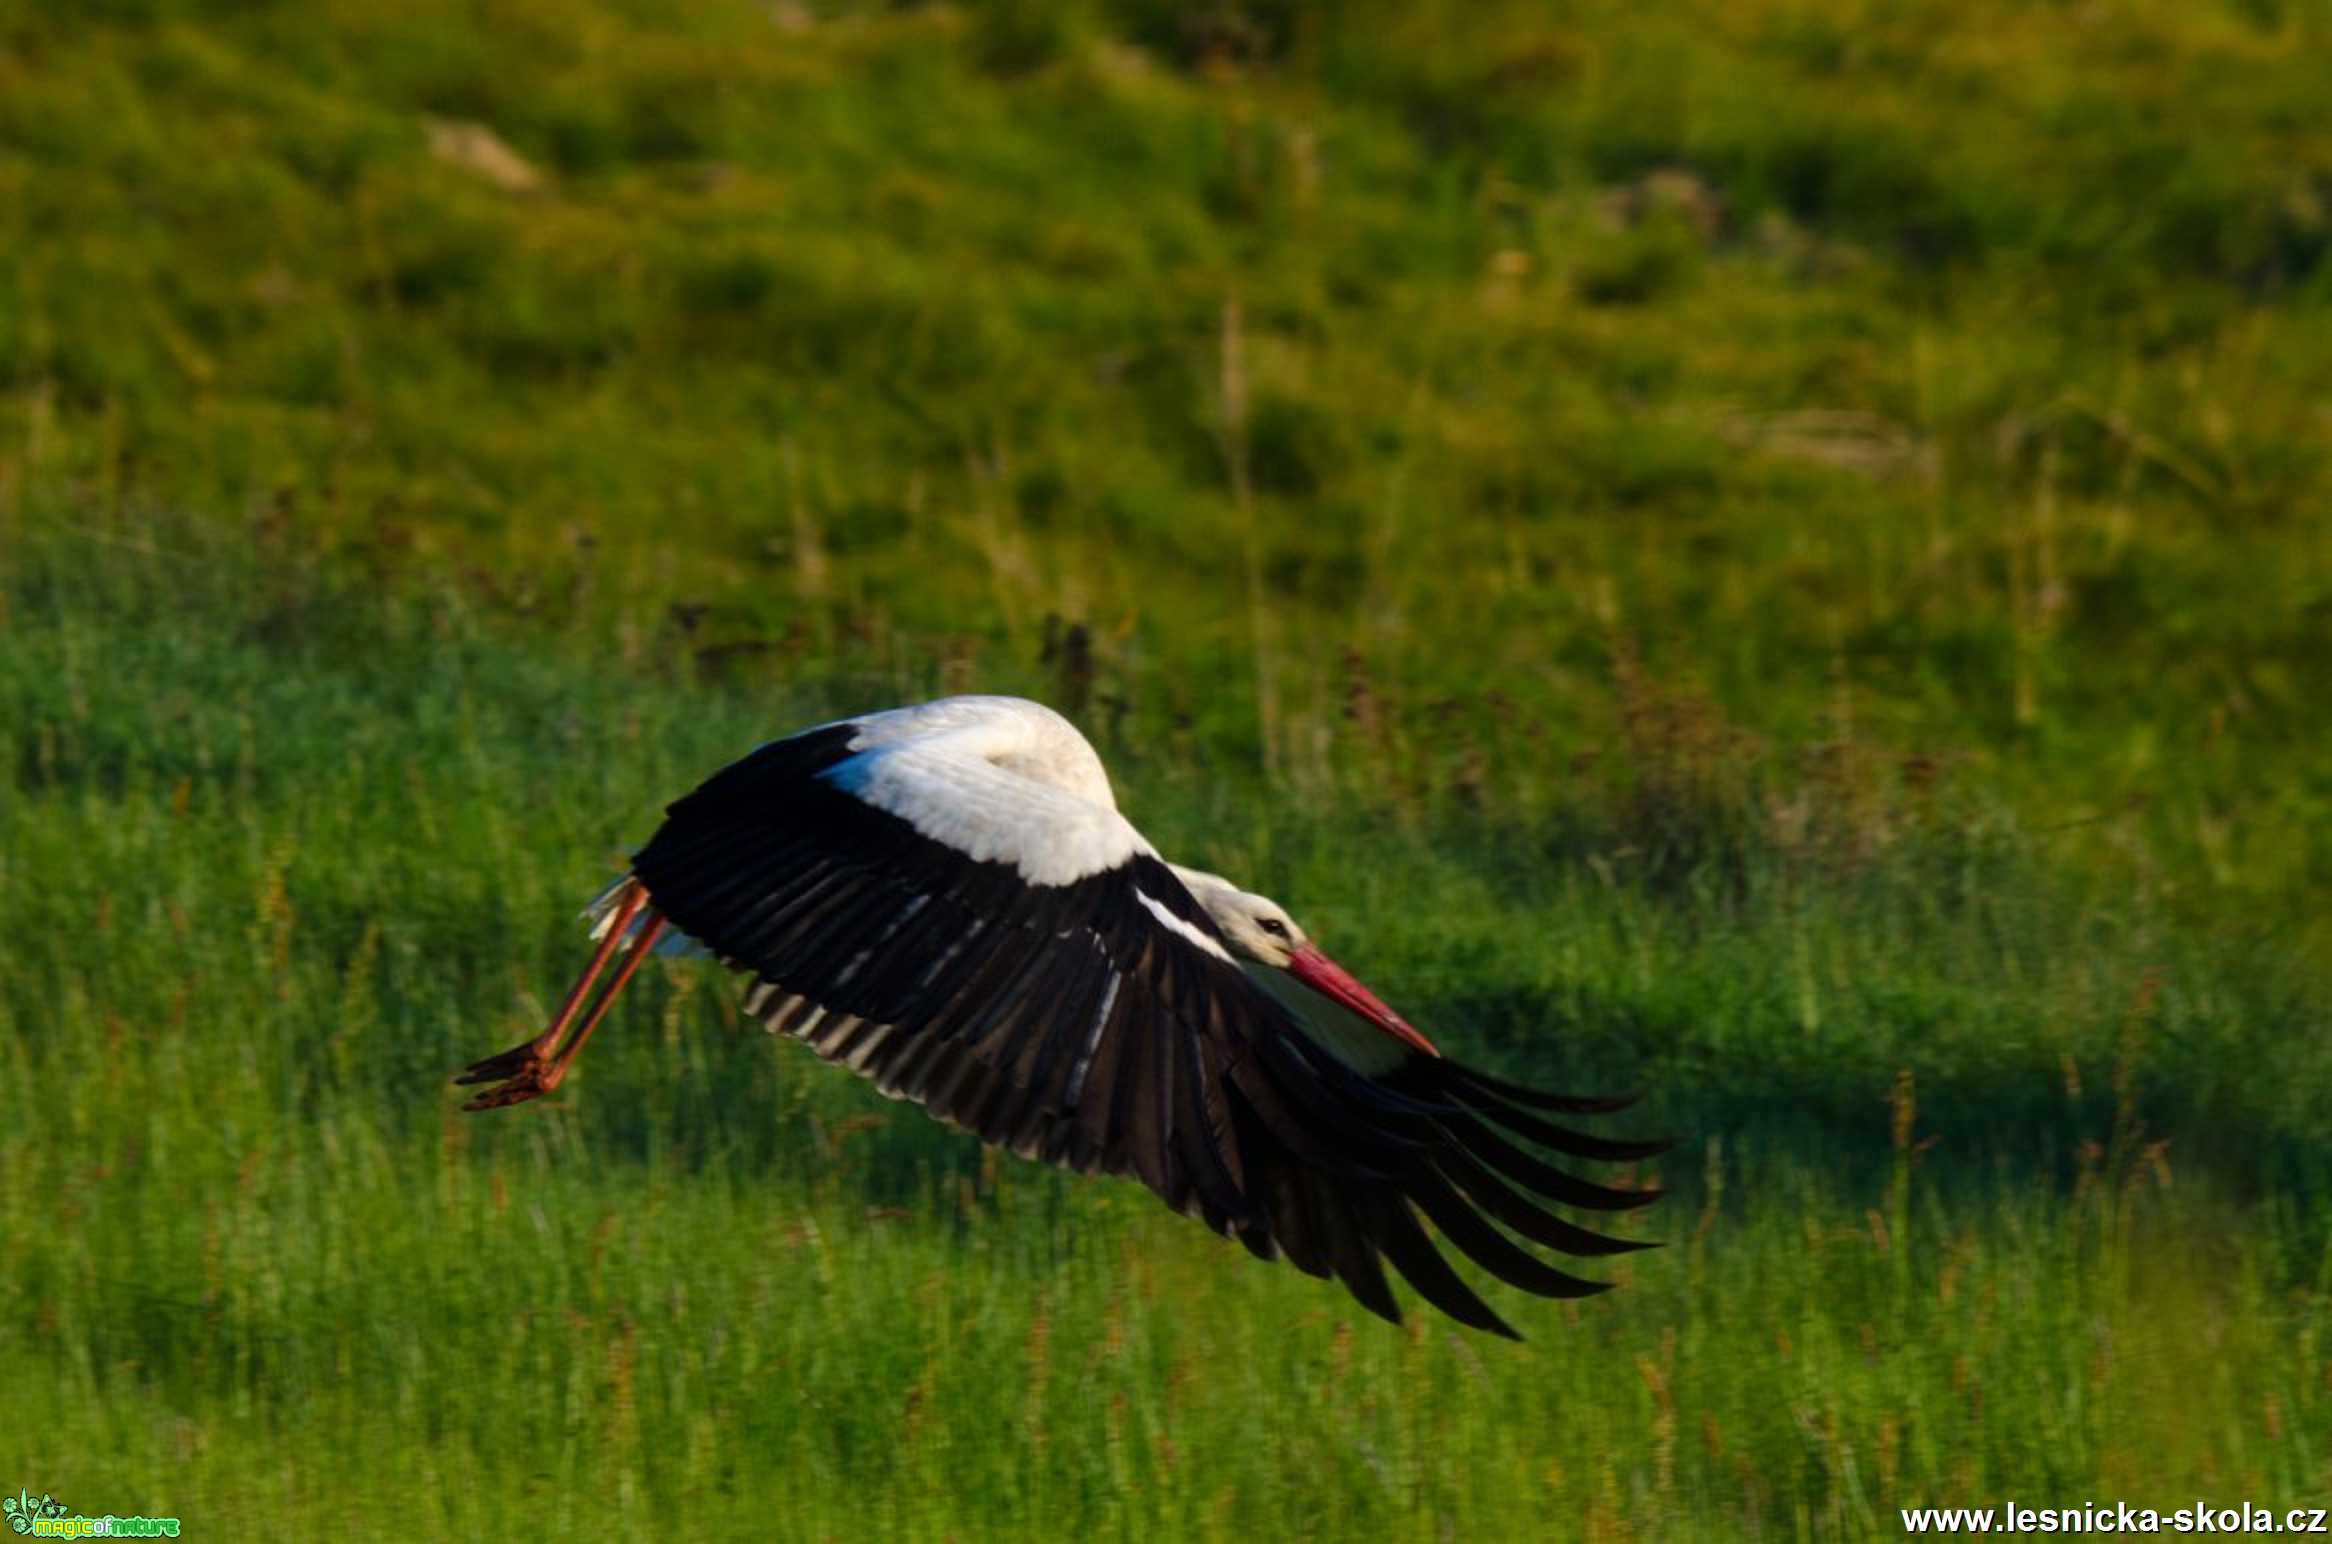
(23,1511)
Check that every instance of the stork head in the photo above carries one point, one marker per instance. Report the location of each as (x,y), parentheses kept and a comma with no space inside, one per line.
(1258,928)
(1255,926)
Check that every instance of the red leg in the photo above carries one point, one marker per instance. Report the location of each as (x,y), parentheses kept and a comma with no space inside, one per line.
(525,1062)
(640,951)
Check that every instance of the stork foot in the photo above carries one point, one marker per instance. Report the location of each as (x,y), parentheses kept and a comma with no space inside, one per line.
(532,1083)
(526,1056)
(521,1073)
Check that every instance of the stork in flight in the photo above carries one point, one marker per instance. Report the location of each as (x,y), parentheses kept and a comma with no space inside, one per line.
(945,900)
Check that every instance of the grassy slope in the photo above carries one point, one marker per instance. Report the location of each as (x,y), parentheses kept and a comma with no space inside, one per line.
(1978,375)
(1969,482)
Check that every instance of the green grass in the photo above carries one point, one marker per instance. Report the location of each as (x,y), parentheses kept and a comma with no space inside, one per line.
(282,853)
(1962,362)
(1777,556)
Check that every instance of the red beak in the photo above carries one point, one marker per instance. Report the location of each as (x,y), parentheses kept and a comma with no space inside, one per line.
(1324,976)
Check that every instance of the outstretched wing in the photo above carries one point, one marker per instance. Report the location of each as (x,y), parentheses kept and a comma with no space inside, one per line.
(1014,957)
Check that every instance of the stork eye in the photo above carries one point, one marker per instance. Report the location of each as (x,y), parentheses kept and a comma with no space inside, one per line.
(1273,926)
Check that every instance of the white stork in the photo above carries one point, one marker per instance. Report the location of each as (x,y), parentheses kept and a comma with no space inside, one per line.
(945,900)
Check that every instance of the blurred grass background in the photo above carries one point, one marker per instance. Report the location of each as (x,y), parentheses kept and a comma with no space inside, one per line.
(1778,556)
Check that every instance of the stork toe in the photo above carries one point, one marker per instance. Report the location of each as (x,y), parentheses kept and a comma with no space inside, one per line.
(527,1056)
(529,1082)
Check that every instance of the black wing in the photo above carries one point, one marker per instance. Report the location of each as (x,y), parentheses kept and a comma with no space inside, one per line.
(1075,1024)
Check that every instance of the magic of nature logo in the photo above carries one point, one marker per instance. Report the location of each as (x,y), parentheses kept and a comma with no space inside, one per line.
(44,1516)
